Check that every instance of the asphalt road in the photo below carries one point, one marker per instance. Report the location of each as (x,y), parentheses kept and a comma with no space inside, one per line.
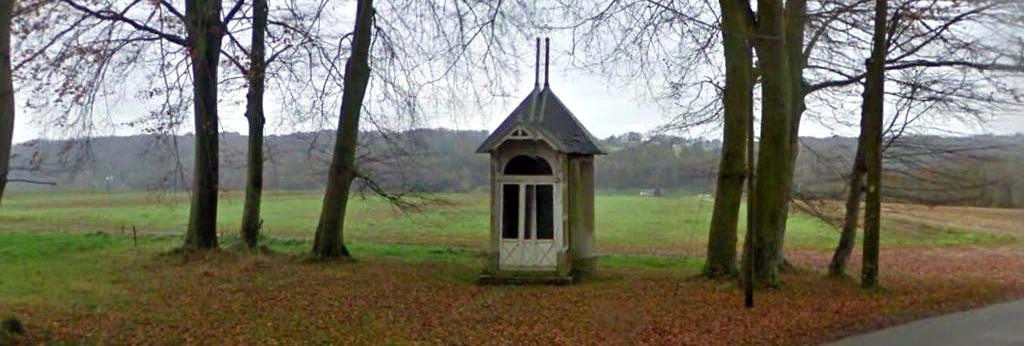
(999,324)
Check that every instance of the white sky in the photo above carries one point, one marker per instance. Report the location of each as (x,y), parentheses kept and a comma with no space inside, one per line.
(591,97)
(605,109)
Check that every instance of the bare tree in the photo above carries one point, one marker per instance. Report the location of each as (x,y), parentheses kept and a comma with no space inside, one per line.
(721,257)
(329,242)
(256,75)
(292,34)
(130,30)
(672,50)
(400,53)
(205,31)
(962,74)
(160,36)
(771,191)
(637,39)
(873,146)
(922,43)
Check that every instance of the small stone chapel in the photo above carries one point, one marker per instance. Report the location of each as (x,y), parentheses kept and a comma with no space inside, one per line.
(542,190)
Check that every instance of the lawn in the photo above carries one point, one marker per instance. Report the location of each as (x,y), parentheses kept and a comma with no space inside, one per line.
(624,224)
(72,276)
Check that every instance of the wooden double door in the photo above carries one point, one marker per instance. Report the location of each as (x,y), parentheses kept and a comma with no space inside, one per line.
(531,225)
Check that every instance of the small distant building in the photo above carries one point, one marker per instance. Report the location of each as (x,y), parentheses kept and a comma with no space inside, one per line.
(542,191)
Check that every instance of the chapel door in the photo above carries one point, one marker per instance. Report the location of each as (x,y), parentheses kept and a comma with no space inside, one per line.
(531,231)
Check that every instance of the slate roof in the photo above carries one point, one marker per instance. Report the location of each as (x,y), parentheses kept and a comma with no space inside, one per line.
(542,112)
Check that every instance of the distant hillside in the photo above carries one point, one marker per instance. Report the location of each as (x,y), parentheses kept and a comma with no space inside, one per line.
(977,170)
(443,161)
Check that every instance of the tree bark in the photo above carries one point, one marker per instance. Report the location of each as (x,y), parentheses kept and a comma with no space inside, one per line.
(796,21)
(6,93)
(748,266)
(329,241)
(873,112)
(251,222)
(848,234)
(737,100)
(203,21)
(770,187)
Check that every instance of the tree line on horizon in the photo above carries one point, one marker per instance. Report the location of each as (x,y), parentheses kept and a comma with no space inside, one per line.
(443,161)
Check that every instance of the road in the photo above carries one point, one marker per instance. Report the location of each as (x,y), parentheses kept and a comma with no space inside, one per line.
(999,324)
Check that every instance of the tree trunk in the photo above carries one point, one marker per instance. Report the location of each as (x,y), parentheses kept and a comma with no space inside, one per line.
(855,185)
(251,222)
(770,187)
(873,112)
(6,93)
(749,300)
(203,20)
(737,100)
(796,18)
(329,241)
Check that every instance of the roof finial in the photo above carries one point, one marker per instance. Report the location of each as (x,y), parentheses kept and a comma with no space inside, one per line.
(537,64)
(546,61)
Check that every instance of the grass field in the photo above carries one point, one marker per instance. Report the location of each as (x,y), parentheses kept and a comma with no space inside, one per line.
(624,224)
(73,276)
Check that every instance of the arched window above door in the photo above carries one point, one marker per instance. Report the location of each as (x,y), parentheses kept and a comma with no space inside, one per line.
(527,165)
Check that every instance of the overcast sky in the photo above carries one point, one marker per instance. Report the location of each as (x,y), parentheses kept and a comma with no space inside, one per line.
(603,110)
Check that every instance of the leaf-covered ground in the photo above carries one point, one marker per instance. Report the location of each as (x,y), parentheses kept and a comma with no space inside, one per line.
(413,282)
(226,298)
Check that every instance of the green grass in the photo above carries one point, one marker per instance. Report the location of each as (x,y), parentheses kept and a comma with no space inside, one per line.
(59,247)
(953,237)
(624,224)
(52,269)
(81,270)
